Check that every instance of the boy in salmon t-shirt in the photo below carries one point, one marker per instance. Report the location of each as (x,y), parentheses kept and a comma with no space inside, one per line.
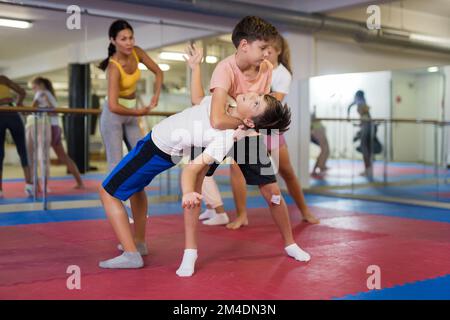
(245,71)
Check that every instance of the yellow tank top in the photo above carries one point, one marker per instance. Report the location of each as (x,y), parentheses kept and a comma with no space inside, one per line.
(128,82)
(5,92)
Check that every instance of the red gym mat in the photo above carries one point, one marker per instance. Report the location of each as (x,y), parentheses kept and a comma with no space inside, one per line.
(245,264)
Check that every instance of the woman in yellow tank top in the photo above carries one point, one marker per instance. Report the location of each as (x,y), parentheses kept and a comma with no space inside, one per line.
(119,115)
(11,121)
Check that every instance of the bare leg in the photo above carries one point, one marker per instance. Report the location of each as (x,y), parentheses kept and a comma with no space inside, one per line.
(280,215)
(187,266)
(118,218)
(26,174)
(220,209)
(191,217)
(279,211)
(139,208)
(239,187)
(324,151)
(71,166)
(131,257)
(190,226)
(293,185)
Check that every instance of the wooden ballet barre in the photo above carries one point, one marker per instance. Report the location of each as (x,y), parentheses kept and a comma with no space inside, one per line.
(82,111)
(439,123)
(79,111)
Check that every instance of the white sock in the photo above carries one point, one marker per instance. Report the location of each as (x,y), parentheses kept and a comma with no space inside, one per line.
(297,253)
(187,266)
(217,220)
(208,214)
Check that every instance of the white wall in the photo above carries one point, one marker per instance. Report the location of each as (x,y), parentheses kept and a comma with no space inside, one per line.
(446,134)
(404,106)
(421,97)
(409,15)
(430,106)
(297,138)
(336,55)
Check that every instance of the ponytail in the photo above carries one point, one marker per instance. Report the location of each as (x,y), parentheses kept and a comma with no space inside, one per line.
(111,50)
(46,83)
(285,56)
(49,86)
(282,46)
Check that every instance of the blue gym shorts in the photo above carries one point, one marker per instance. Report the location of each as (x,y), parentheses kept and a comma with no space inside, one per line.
(134,172)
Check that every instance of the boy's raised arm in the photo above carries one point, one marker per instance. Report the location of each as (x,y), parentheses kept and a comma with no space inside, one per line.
(194,59)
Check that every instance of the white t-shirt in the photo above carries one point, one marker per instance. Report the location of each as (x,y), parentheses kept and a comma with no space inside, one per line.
(191,127)
(281,79)
(39,97)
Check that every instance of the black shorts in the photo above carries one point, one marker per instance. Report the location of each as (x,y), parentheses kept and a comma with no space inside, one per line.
(252,157)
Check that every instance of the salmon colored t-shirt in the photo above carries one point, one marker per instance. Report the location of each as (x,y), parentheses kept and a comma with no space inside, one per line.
(228,76)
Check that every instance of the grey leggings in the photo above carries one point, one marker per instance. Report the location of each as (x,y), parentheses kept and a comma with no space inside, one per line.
(114,128)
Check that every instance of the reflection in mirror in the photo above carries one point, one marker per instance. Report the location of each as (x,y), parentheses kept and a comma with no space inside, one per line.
(406,139)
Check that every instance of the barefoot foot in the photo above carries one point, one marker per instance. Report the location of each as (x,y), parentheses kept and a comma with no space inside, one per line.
(310,218)
(237,223)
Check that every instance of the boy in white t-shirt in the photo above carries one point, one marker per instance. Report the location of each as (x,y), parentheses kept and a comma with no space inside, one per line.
(162,148)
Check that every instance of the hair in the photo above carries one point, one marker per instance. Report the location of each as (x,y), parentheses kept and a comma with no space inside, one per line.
(253,28)
(114,30)
(280,44)
(359,94)
(276,116)
(46,83)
